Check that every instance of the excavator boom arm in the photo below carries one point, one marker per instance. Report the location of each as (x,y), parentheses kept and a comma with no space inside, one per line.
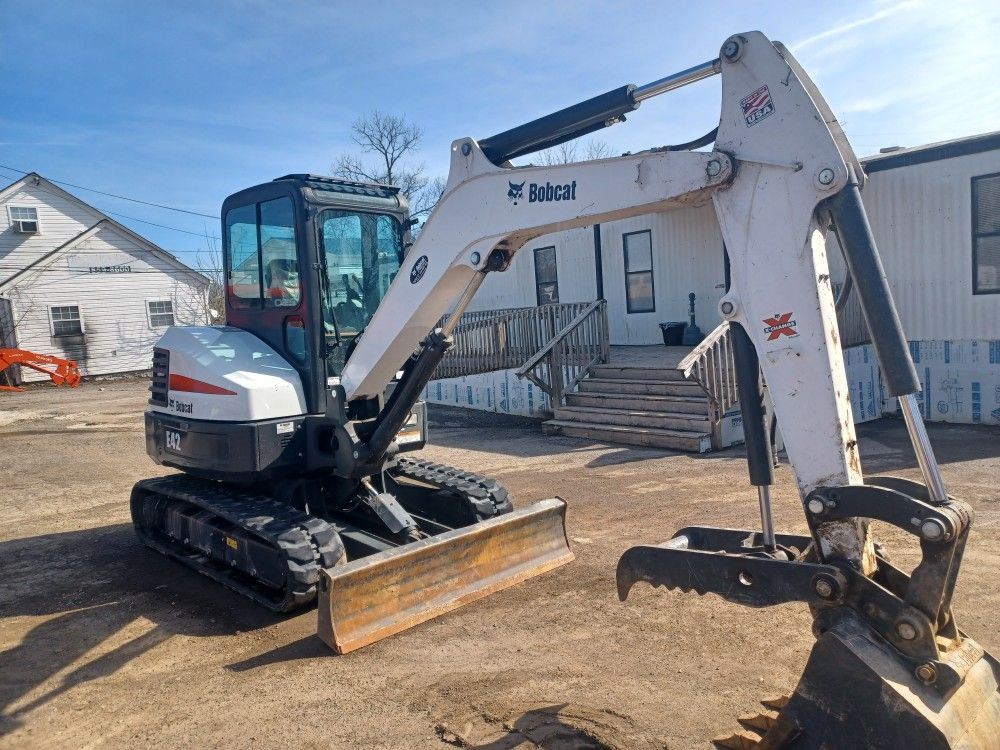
(781,174)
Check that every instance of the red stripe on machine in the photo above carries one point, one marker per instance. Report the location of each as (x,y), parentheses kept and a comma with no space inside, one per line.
(190,385)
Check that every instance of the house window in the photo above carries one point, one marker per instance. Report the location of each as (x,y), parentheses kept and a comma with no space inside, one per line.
(639,272)
(546,278)
(161,313)
(66,320)
(986,234)
(24,219)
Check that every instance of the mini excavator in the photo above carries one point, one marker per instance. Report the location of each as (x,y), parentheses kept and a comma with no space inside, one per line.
(293,425)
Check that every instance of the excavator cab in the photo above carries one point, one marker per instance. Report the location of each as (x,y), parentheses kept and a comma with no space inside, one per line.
(307,261)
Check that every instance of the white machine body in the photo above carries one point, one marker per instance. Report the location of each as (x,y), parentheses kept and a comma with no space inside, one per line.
(225,374)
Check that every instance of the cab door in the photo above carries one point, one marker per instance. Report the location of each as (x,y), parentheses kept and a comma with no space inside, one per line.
(268,270)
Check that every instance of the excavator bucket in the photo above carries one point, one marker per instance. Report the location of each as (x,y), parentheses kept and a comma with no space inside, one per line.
(855,692)
(374,597)
(853,683)
(858,689)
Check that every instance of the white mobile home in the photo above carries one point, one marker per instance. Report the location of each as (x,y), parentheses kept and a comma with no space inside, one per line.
(76,284)
(935,212)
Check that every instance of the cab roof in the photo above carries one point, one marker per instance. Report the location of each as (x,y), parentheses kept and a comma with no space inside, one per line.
(337,185)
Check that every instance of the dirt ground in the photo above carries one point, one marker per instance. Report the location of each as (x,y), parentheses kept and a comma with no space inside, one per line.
(105,644)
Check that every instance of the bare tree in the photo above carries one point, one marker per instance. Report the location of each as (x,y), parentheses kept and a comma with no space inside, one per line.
(598,150)
(565,153)
(209,262)
(392,142)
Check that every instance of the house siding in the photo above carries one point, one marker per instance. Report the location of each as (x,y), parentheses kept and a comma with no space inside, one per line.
(687,257)
(117,334)
(59,219)
(921,216)
(515,287)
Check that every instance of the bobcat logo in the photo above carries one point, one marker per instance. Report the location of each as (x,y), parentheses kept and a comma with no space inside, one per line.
(516,192)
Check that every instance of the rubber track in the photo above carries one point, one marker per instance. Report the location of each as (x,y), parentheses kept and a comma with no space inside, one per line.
(308,543)
(488,496)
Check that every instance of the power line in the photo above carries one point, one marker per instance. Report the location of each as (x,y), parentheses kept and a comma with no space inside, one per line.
(78,271)
(163,226)
(146,221)
(113,195)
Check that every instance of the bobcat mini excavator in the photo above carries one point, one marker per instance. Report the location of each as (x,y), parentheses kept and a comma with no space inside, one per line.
(292,424)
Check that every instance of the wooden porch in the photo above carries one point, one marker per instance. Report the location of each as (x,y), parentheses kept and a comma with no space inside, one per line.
(660,396)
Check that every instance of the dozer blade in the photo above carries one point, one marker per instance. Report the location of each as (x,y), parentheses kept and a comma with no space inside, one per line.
(376,596)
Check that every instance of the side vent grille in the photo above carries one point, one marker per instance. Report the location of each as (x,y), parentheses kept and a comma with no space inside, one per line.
(161,375)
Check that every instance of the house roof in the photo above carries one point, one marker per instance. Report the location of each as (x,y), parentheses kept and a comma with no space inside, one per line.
(103,221)
(907,157)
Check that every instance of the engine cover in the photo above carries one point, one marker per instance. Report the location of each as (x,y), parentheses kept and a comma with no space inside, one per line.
(222,374)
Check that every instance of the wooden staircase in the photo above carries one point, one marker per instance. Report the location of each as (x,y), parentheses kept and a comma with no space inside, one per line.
(634,405)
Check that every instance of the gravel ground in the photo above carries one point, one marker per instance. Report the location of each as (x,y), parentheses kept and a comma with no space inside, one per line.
(105,644)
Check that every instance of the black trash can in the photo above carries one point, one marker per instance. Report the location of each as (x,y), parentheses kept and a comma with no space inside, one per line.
(673,333)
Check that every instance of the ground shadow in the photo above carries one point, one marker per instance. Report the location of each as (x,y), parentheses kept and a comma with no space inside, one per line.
(309,647)
(559,726)
(99,586)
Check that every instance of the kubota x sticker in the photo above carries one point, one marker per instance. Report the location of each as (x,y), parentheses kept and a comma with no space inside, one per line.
(780,325)
(756,106)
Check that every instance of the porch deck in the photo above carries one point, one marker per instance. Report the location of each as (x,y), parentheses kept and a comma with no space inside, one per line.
(653,357)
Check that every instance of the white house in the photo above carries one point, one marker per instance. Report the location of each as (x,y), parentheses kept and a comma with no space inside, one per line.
(935,212)
(76,284)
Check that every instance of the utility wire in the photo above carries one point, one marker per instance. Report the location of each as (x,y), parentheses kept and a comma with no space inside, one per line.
(78,271)
(113,195)
(161,226)
(146,221)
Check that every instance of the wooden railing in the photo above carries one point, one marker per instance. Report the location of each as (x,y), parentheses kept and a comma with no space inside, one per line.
(489,340)
(710,365)
(564,360)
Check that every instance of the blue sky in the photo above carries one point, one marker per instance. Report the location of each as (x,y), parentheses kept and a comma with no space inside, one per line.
(183,103)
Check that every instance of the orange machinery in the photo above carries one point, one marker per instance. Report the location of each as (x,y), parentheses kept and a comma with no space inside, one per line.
(61,371)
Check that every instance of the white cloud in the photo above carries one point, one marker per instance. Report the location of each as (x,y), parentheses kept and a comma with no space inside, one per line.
(857,23)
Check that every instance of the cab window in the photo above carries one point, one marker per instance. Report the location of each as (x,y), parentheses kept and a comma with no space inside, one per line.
(263,265)
(362,254)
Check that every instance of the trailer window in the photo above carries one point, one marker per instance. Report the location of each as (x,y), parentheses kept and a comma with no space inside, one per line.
(546,276)
(986,234)
(639,272)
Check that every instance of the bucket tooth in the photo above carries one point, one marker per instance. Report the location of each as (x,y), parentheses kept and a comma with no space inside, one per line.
(851,672)
(775,703)
(376,596)
(763,720)
(742,740)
